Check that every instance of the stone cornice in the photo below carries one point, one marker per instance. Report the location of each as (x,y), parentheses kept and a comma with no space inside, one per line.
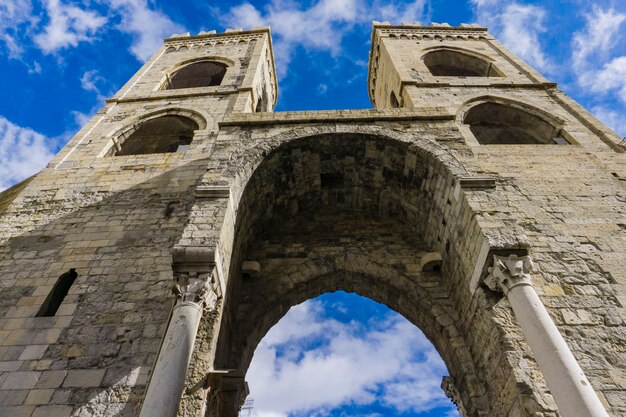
(213,35)
(339,116)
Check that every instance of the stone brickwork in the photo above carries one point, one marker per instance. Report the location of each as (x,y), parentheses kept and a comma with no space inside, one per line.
(403,206)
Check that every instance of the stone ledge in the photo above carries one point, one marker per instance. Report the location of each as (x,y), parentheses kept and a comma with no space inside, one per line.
(479,182)
(226,34)
(339,116)
(189,93)
(213,191)
(471,83)
(465,27)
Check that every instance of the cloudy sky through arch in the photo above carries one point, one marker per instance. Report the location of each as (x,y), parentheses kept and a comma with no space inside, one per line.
(344,355)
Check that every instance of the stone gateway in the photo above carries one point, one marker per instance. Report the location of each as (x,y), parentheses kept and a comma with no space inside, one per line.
(140,269)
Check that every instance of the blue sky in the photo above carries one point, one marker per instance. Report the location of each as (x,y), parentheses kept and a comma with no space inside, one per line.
(59,60)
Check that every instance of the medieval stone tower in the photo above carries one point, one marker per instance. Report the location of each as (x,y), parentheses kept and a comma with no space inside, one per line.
(142,266)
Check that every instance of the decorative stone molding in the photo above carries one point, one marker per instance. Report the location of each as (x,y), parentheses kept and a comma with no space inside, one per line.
(193,259)
(509,272)
(200,41)
(449,388)
(193,254)
(477,182)
(213,191)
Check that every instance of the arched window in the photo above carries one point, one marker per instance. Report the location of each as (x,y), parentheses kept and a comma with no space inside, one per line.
(160,135)
(445,62)
(198,74)
(393,101)
(262,103)
(494,123)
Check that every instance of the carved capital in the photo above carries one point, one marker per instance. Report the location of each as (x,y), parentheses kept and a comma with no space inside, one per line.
(200,288)
(508,272)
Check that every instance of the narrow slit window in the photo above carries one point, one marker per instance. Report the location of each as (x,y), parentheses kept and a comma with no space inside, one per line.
(57,294)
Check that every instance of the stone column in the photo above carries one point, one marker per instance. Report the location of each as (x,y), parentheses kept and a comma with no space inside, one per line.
(568,384)
(195,292)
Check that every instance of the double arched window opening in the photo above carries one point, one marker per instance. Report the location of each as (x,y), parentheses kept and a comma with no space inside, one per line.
(494,123)
(451,63)
(164,134)
(197,74)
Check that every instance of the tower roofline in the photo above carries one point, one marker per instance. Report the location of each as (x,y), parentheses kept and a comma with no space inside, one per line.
(233,33)
(433,26)
(214,34)
(469,29)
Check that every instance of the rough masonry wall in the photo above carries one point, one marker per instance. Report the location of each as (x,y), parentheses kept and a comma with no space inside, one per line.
(503,224)
(572,208)
(115,219)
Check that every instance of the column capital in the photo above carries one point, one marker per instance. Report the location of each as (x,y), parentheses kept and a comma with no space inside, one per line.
(508,272)
(199,288)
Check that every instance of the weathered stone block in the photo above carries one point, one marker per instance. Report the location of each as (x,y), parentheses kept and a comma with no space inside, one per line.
(20,380)
(84,378)
(52,410)
(39,396)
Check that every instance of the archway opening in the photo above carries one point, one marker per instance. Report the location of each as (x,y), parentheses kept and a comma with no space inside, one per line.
(159,135)
(198,74)
(500,124)
(446,62)
(352,212)
(343,354)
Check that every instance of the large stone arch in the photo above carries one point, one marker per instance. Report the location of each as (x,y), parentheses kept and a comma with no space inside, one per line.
(244,162)
(400,187)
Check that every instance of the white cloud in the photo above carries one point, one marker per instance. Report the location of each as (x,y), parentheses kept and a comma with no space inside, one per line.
(397,13)
(610,78)
(310,364)
(599,35)
(518,26)
(598,69)
(612,118)
(321,26)
(67,26)
(148,27)
(594,66)
(23,152)
(13,14)
(34,69)
(80,118)
(89,79)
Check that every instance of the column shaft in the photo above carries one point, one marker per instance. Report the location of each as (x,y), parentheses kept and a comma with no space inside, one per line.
(168,377)
(569,386)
